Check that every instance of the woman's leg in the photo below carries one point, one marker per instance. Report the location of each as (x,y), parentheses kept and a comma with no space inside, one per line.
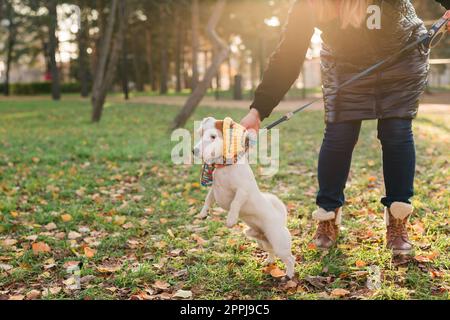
(334,163)
(399,159)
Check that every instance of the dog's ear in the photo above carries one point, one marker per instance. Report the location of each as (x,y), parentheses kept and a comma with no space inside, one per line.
(219,125)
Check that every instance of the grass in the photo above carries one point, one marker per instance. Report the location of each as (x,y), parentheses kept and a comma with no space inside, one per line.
(107,198)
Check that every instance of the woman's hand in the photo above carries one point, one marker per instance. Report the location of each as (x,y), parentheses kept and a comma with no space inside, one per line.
(447,15)
(252,121)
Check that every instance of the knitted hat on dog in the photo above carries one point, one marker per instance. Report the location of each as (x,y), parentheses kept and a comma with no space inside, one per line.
(235,145)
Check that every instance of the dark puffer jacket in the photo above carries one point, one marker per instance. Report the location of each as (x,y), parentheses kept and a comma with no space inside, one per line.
(392,92)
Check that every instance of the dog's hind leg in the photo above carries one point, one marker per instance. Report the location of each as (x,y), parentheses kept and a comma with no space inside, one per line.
(281,244)
(265,245)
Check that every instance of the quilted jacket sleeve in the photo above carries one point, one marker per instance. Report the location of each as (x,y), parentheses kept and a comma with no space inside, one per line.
(286,62)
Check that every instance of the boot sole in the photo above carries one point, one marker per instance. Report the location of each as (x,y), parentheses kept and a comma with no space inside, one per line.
(402,252)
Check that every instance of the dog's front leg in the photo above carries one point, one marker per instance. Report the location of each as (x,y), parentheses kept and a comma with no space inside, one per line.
(208,203)
(235,207)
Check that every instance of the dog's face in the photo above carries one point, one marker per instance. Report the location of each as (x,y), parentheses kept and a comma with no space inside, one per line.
(210,146)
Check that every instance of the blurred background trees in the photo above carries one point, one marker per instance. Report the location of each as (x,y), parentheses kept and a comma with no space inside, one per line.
(154,47)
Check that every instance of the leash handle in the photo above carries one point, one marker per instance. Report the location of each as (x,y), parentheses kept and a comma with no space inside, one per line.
(279,121)
(437,32)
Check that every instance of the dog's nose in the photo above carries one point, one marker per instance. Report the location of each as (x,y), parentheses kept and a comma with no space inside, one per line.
(196,152)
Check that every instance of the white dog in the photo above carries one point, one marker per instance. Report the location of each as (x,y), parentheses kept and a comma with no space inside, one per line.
(234,188)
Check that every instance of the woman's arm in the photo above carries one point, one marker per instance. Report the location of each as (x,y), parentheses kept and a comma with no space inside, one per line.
(286,62)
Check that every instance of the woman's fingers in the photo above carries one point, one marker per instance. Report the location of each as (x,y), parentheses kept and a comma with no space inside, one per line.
(252,120)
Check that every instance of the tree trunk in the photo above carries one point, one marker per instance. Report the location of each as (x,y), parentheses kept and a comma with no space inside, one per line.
(137,64)
(149,55)
(179,48)
(108,57)
(52,48)
(10,49)
(195,42)
(222,55)
(1,9)
(164,50)
(124,71)
(83,60)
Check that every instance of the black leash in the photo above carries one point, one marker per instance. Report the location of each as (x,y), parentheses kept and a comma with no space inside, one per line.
(426,42)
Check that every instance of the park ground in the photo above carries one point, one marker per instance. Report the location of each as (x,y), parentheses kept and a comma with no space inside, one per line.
(107,200)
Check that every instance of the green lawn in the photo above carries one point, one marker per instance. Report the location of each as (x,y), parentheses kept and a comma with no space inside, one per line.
(106,197)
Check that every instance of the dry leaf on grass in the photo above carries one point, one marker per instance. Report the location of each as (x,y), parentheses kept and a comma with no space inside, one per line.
(9,242)
(89,253)
(360,263)
(40,247)
(5,267)
(33,294)
(161,285)
(108,268)
(339,293)
(274,271)
(50,226)
(426,257)
(183,294)
(66,217)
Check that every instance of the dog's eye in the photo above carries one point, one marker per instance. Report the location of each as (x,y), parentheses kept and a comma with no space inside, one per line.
(213,137)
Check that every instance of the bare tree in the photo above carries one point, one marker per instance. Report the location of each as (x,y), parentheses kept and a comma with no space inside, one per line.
(178,46)
(222,50)
(164,77)
(83,39)
(53,48)
(10,44)
(108,57)
(1,9)
(195,42)
(149,56)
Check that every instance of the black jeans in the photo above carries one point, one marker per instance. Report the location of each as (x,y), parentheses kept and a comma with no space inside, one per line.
(399,161)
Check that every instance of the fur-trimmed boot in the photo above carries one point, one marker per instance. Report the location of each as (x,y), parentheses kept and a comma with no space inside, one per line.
(328,228)
(396,218)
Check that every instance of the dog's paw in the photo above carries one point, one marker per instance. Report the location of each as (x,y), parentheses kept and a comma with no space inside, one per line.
(203,214)
(231,223)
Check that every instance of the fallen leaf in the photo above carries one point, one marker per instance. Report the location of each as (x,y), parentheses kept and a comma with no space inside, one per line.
(5,267)
(162,285)
(74,235)
(108,268)
(426,257)
(360,263)
(66,217)
(119,220)
(9,242)
(89,253)
(33,294)
(200,241)
(277,272)
(40,247)
(318,281)
(128,225)
(291,284)
(17,297)
(52,290)
(339,293)
(183,294)
(50,226)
